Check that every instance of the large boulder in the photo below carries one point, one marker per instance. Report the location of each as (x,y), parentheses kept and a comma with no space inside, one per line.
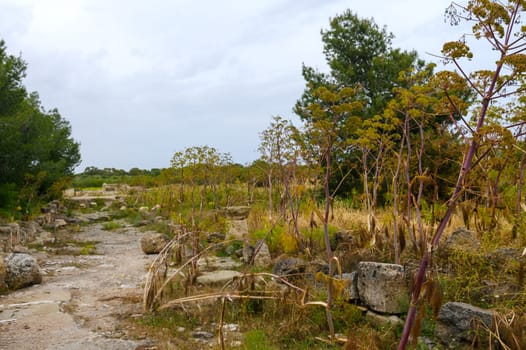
(153,242)
(457,323)
(22,270)
(383,287)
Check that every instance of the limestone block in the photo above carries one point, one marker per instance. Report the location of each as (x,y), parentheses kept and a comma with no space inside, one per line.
(457,322)
(382,287)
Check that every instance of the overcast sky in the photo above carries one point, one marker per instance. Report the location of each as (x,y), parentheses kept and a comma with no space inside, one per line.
(139,80)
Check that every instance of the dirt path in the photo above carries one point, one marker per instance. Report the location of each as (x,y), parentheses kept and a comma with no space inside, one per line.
(82,298)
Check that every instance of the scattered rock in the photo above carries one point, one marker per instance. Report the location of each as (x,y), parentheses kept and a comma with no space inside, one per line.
(215,237)
(18,248)
(262,258)
(502,257)
(153,242)
(44,238)
(22,270)
(202,335)
(290,267)
(383,320)
(212,263)
(94,217)
(217,278)
(143,223)
(59,223)
(457,323)
(29,229)
(55,224)
(382,287)
(352,287)
(463,239)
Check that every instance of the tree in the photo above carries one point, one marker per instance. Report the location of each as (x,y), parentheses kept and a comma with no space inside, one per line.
(499,24)
(358,53)
(199,166)
(36,148)
(277,149)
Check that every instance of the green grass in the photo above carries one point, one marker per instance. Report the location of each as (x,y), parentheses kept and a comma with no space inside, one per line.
(111,225)
(256,340)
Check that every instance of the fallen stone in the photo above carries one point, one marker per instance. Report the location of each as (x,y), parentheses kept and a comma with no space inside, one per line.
(22,270)
(153,242)
(462,239)
(383,320)
(202,335)
(290,267)
(59,223)
(262,258)
(457,323)
(218,277)
(212,263)
(351,288)
(382,287)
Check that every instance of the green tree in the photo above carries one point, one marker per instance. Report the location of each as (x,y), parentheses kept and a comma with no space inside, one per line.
(36,148)
(359,53)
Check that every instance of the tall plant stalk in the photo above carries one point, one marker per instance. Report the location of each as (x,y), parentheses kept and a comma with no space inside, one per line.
(496,23)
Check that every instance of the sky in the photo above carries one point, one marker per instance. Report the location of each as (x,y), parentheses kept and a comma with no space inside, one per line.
(140,80)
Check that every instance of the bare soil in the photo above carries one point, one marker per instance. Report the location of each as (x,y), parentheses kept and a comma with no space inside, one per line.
(84,301)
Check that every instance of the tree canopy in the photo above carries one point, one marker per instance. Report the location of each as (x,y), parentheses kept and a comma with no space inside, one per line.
(36,148)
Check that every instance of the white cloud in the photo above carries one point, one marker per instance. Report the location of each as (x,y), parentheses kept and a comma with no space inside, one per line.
(139,80)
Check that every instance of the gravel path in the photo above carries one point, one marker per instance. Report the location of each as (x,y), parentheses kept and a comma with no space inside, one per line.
(82,298)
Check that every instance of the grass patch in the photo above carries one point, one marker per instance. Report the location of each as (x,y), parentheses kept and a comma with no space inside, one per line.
(111,225)
(256,340)
(88,249)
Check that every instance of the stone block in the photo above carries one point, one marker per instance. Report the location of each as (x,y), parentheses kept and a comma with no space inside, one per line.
(382,287)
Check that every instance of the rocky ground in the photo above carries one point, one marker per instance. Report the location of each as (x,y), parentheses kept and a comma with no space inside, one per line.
(83,300)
